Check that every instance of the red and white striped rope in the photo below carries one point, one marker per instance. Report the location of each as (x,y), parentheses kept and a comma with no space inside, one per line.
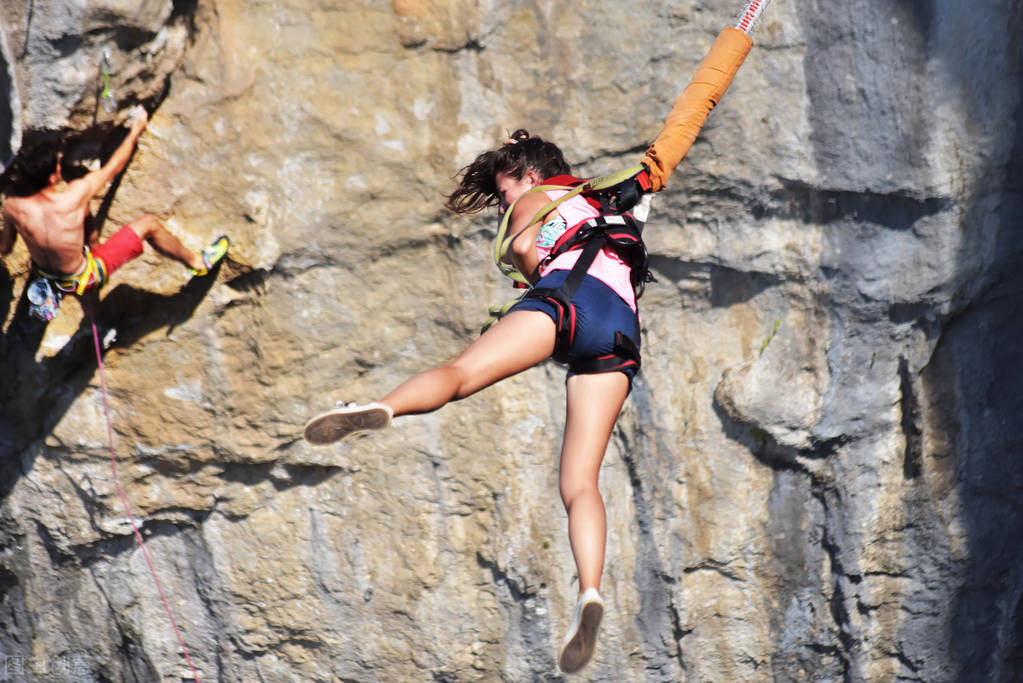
(749,16)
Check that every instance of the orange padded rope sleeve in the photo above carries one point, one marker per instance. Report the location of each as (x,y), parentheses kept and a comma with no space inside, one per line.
(692,107)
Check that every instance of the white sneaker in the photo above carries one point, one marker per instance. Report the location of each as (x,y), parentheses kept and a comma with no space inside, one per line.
(346,420)
(581,640)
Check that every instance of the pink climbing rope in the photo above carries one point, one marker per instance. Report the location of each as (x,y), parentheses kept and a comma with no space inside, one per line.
(124,499)
(749,16)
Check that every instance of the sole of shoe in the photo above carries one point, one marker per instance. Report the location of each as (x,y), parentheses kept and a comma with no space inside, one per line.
(580,644)
(334,425)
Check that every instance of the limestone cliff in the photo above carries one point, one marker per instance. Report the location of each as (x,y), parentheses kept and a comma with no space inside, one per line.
(818,472)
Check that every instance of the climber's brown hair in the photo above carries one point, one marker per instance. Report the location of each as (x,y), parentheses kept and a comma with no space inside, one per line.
(31,171)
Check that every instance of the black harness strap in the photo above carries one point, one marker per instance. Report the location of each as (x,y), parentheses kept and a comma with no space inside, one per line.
(624,356)
(620,232)
(562,296)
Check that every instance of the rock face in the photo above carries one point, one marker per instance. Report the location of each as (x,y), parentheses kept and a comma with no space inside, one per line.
(10,112)
(816,476)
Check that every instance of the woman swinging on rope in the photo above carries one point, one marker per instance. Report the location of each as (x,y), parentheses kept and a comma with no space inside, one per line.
(601,348)
(605,304)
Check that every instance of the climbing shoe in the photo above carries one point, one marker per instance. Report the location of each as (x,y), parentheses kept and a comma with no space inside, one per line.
(345,420)
(581,640)
(211,255)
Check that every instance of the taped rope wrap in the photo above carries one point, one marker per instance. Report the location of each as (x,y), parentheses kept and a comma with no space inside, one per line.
(694,105)
(124,499)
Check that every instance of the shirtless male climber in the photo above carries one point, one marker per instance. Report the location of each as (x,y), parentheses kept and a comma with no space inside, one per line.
(54,219)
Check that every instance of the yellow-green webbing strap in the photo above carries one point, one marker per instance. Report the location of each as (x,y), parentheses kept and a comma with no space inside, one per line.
(503,241)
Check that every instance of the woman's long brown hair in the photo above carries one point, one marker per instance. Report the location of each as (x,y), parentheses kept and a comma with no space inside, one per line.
(477,187)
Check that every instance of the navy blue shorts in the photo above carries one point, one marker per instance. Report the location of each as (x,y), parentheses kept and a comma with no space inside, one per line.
(599,314)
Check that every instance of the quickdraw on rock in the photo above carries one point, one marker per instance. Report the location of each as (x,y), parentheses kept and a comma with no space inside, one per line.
(107,94)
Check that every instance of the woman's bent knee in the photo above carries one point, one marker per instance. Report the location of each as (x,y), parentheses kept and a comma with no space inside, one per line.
(459,380)
(467,380)
(574,491)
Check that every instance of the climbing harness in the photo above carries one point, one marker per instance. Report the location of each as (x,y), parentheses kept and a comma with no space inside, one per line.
(503,241)
(600,192)
(107,94)
(614,228)
(47,290)
(93,274)
(124,499)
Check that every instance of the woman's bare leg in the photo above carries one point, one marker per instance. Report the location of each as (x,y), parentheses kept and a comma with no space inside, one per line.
(593,404)
(517,342)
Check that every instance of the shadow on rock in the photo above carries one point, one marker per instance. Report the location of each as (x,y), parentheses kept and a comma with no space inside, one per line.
(36,394)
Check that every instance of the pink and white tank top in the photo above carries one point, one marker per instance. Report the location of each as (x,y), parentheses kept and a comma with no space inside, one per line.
(608,266)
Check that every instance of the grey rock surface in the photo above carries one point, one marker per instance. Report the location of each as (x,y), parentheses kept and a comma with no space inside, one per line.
(817,476)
